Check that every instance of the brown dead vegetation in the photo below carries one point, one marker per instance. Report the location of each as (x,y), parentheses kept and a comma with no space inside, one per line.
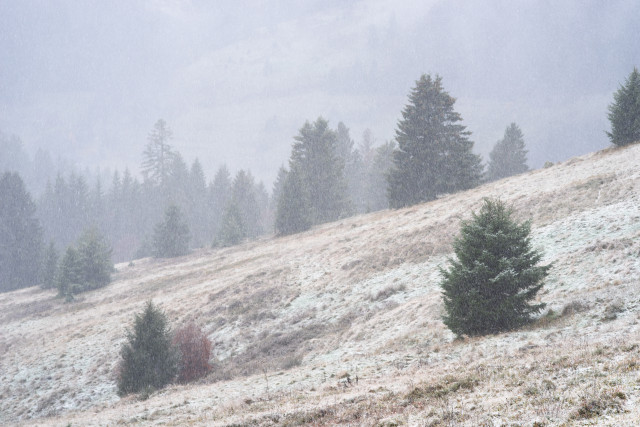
(288,316)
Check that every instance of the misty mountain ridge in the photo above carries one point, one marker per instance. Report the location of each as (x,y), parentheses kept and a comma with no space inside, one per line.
(342,324)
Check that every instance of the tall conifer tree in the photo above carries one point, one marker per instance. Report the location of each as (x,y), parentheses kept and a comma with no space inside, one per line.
(434,151)
(158,155)
(624,112)
(20,235)
(314,156)
(294,206)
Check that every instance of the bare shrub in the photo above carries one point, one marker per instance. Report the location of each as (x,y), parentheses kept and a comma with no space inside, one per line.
(195,349)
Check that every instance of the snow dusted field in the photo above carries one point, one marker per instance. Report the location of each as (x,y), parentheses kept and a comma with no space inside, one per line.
(341,325)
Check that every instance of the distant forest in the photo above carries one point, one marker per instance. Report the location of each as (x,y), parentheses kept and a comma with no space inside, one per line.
(125,206)
(328,177)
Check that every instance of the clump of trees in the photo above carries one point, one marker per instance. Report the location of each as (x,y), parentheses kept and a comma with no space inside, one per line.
(20,235)
(489,285)
(315,189)
(84,266)
(624,112)
(434,154)
(329,177)
(508,157)
(153,357)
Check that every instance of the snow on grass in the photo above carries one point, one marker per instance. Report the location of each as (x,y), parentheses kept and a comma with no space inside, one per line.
(358,297)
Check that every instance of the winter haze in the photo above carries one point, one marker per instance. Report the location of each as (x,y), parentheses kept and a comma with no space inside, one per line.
(236,80)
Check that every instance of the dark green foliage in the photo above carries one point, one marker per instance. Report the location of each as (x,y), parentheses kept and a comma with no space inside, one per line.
(314,155)
(232,230)
(495,274)
(86,266)
(508,156)
(624,112)
(20,236)
(171,237)
(69,280)
(50,268)
(95,260)
(434,152)
(294,207)
(148,357)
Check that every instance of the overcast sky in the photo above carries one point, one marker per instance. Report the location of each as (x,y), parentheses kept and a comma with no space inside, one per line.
(235,80)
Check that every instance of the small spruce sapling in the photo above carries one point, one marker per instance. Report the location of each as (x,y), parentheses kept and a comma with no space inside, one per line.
(149,359)
(488,286)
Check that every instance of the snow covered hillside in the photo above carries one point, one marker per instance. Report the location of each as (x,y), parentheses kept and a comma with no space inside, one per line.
(341,324)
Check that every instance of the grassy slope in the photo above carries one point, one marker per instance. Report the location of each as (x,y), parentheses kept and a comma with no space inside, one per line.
(291,317)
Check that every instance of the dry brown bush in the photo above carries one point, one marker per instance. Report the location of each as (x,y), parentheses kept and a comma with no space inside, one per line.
(195,349)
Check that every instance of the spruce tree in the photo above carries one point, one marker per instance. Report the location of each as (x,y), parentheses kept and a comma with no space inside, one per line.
(624,112)
(171,237)
(158,155)
(487,288)
(434,153)
(69,280)
(94,255)
(353,167)
(20,235)
(197,212)
(294,207)
(508,156)
(243,194)
(233,229)
(148,357)
(314,154)
(85,266)
(278,186)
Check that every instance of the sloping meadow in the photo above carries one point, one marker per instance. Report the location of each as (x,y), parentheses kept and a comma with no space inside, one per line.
(341,324)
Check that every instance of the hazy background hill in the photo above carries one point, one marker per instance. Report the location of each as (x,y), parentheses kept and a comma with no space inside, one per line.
(236,81)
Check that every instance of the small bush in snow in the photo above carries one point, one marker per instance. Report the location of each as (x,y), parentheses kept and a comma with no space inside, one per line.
(195,349)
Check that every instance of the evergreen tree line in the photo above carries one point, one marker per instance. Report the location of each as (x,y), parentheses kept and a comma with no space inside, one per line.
(431,155)
(129,211)
(327,178)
